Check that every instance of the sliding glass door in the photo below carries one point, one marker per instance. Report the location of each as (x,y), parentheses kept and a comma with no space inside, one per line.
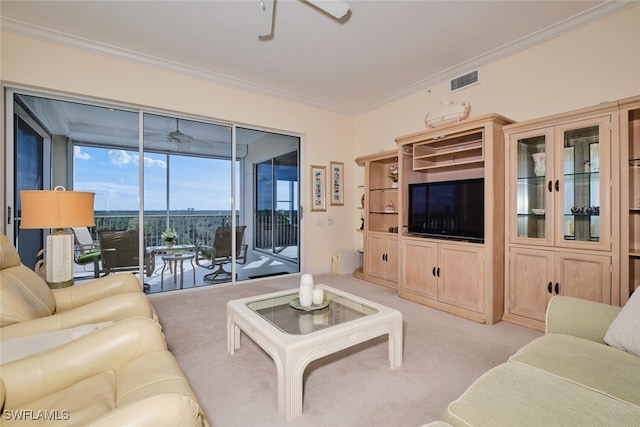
(153,173)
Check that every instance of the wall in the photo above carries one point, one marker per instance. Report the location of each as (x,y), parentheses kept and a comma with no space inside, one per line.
(325,134)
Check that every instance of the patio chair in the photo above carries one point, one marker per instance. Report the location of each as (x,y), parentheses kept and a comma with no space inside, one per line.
(86,250)
(119,252)
(220,253)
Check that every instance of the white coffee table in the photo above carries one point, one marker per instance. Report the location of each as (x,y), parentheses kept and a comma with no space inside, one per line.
(294,338)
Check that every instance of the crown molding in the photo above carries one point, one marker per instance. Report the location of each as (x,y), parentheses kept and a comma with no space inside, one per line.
(597,12)
(91,46)
(587,17)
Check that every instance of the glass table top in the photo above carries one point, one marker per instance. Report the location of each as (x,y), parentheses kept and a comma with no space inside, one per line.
(278,312)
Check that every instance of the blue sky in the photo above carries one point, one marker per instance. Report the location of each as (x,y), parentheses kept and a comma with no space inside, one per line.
(196,183)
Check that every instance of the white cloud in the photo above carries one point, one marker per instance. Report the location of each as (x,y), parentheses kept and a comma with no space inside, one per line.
(149,162)
(119,157)
(78,154)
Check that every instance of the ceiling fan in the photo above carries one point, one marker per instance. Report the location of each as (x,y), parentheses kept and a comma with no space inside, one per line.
(335,8)
(180,137)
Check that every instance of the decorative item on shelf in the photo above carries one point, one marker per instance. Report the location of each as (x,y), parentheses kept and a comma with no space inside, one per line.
(447,113)
(362,223)
(57,209)
(586,166)
(169,236)
(538,164)
(362,201)
(585,210)
(393,174)
(389,207)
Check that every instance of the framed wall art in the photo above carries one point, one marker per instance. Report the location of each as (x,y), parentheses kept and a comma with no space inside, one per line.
(337,183)
(318,191)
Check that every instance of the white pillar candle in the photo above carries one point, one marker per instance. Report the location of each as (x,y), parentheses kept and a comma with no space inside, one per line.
(318,296)
(306,294)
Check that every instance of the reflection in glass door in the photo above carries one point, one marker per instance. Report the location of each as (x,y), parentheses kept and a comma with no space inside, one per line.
(534,172)
(581,170)
(277,205)
(31,155)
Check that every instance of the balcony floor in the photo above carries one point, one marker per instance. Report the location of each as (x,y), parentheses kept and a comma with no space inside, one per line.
(258,265)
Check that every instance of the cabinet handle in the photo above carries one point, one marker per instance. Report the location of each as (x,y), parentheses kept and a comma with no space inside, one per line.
(550,186)
(550,287)
(433,272)
(557,288)
(438,272)
(557,185)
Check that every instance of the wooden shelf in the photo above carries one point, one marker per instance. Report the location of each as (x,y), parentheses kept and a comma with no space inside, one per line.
(464,149)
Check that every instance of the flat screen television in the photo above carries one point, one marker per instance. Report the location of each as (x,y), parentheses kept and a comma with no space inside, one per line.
(448,209)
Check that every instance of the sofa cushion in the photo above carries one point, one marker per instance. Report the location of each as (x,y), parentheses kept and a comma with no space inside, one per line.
(77,405)
(624,331)
(519,394)
(586,363)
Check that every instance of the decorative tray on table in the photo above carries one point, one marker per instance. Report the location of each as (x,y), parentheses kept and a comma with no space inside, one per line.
(295,303)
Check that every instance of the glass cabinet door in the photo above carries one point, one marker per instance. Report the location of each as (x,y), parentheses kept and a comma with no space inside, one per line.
(582,185)
(531,153)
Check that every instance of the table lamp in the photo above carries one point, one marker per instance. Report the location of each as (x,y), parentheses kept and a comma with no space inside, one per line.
(57,209)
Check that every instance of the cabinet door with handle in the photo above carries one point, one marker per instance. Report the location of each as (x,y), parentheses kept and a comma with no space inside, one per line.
(582,184)
(460,273)
(531,283)
(531,193)
(584,276)
(376,252)
(419,268)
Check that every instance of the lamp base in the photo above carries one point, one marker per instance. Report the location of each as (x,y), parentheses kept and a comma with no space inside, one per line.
(58,285)
(59,263)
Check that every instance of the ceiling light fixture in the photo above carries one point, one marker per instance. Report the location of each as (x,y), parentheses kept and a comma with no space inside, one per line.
(336,8)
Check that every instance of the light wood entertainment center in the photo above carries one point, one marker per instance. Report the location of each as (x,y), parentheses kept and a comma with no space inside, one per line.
(565,225)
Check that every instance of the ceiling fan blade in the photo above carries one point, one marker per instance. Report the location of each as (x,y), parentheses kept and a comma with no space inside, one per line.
(335,8)
(265,17)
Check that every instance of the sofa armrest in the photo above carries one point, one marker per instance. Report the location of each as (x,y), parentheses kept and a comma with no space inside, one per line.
(580,318)
(74,296)
(170,409)
(114,308)
(105,349)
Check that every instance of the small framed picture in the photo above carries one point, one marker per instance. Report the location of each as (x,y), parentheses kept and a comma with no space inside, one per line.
(318,191)
(337,183)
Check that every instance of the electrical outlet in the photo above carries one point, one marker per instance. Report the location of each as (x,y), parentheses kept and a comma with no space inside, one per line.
(330,221)
(319,221)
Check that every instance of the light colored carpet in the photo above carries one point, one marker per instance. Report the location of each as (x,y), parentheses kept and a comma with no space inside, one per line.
(443,355)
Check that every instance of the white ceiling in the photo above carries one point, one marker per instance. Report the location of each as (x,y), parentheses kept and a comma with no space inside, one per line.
(379,51)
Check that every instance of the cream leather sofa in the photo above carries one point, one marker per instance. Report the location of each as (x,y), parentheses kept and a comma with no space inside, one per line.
(28,306)
(121,375)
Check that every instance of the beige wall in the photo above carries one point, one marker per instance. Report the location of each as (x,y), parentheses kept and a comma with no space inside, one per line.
(596,63)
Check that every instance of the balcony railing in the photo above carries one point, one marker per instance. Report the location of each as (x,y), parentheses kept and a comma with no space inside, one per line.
(195,228)
(191,228)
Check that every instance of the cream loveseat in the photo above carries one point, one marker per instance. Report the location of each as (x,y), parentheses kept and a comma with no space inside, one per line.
(569,377)
(29,307)
(121,375)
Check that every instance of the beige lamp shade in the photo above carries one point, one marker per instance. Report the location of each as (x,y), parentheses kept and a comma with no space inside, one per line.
(56,209)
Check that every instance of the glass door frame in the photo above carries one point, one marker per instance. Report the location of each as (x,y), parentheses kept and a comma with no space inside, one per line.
(6,156)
